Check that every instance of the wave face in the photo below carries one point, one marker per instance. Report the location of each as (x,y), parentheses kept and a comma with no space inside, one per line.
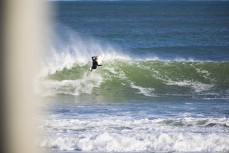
(122,79)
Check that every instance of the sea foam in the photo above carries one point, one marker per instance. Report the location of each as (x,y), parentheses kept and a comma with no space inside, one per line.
(114,134)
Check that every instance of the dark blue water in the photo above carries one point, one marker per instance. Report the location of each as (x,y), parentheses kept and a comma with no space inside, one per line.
(197,30)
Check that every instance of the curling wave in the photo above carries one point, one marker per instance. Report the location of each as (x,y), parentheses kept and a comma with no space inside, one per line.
(125,77)
(136,79)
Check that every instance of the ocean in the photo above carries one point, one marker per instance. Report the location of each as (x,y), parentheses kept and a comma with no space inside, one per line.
(163,85)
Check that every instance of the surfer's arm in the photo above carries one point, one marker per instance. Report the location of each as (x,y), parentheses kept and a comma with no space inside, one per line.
(99,65)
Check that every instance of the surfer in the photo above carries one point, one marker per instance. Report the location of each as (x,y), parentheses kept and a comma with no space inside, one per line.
(95,62)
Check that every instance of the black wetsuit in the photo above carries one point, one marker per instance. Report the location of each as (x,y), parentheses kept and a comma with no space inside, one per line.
(94,63)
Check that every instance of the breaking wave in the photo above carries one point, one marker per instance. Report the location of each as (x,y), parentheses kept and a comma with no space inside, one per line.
(66,72)
(141,78)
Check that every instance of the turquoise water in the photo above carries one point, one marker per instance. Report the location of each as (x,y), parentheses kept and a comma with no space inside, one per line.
(163,86)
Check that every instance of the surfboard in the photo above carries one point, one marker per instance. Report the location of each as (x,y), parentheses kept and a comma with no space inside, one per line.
(99,59)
